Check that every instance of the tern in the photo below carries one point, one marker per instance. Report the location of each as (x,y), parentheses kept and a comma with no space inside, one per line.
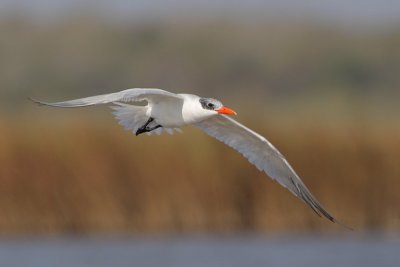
(166,111)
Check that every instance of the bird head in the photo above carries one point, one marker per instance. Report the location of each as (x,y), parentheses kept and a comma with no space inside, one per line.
(215,105)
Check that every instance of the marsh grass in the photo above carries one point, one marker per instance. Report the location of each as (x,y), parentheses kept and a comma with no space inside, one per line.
(87,176)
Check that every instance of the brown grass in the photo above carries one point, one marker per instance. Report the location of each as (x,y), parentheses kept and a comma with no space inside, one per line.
(86,176)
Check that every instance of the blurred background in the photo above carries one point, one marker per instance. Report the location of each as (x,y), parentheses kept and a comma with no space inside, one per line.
(319,79)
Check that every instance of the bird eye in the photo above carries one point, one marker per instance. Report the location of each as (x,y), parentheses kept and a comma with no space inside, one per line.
(210,105)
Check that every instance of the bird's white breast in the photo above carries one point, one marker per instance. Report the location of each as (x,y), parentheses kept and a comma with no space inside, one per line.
(167,113)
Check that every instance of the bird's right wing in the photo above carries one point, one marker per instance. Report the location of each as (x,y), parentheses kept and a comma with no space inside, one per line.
(128,95)
(260,152)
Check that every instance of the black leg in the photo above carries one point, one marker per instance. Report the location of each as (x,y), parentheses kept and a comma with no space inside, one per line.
(147,122)
(145,128)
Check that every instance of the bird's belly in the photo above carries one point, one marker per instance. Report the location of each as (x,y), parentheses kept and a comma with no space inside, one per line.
(167,115)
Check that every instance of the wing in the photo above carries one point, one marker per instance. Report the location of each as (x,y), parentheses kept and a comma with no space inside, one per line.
(260,152)
(134,94)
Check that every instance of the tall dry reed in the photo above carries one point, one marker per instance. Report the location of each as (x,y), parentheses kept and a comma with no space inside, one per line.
(84,176)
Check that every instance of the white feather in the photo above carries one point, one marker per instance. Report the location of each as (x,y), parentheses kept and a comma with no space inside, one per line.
(133,117)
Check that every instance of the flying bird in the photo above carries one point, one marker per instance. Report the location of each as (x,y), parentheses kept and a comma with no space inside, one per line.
(166,111)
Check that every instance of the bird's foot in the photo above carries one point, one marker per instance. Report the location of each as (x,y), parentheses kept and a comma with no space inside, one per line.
(145,128)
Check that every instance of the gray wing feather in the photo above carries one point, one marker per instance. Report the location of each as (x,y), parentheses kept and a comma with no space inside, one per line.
(260,152)
(134,94)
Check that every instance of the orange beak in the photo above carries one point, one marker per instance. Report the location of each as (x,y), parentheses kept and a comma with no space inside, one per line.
(226,110)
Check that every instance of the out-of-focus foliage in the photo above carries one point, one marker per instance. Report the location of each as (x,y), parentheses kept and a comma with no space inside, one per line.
(278,59)
(325,95)
(84,176)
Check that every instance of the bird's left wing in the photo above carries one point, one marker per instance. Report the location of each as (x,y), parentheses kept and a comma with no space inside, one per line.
(260,152)
(134,94)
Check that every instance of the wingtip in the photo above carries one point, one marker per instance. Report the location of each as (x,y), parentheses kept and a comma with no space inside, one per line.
(319,210)
(343,225)
(35,101)
(332,219)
